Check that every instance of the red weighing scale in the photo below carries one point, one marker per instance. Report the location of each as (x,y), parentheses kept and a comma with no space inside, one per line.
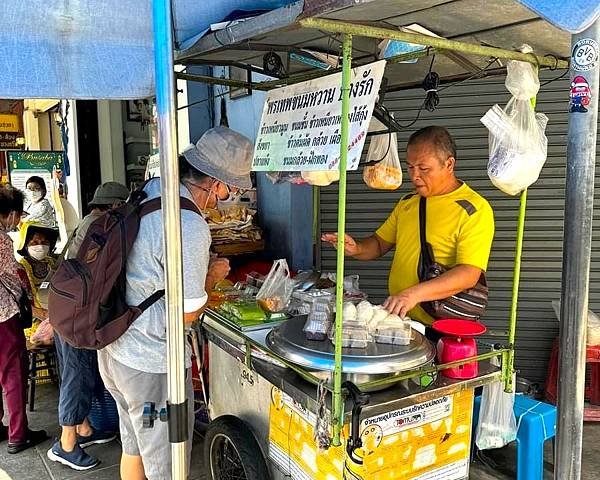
(458,343)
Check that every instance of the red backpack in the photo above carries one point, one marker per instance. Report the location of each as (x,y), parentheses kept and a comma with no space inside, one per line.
(87,294)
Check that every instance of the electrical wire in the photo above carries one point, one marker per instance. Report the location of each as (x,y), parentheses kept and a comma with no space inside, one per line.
(555,78)
(475,75)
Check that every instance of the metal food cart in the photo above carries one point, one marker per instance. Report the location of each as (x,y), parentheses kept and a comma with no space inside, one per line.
(247,393)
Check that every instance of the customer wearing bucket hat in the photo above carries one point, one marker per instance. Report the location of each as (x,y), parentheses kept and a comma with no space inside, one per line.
(134,367)
(80,378)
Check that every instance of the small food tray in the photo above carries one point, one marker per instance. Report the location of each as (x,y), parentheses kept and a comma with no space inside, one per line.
(352,337)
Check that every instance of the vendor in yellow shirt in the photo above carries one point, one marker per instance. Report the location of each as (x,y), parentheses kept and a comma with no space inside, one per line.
(460,229)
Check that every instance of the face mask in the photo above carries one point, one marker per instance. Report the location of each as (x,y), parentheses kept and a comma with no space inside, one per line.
(39,252)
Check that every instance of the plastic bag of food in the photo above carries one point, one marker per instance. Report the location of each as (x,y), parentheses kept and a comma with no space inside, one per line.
(517,140)
(321,178)
(497,425)
(386,173)
(276,291)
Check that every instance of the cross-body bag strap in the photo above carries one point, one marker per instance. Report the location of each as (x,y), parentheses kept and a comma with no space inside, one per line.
(426,252)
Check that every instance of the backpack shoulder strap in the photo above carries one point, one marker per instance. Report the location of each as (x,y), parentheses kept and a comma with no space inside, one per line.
(155,204)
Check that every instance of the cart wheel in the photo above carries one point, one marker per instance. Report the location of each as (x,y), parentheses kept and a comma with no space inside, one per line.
(231,452)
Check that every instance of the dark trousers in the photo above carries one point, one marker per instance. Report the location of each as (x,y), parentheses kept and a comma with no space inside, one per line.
(13,378)
(80,381)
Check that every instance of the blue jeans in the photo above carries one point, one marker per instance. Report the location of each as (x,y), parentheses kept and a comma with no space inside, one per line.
(80,382)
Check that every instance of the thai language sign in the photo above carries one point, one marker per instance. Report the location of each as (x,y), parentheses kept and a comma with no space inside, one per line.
(300,128)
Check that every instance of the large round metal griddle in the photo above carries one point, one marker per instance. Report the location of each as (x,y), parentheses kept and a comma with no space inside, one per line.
(359,365)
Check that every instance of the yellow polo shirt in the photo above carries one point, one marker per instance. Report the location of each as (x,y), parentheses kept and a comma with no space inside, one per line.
(460,229)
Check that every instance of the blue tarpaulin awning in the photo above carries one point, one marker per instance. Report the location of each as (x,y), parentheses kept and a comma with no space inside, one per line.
(103,49)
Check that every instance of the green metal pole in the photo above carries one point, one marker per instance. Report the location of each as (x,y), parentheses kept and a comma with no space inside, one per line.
(338,404)
(336,26)
(509,359)
(508,364)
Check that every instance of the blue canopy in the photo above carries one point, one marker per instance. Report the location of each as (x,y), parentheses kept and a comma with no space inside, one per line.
(94,48)
(103,49)
(573,16)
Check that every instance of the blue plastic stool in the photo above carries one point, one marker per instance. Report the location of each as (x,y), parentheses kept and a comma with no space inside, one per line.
(536,423)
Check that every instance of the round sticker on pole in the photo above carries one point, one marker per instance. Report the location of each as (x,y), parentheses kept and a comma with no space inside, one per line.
(585,55)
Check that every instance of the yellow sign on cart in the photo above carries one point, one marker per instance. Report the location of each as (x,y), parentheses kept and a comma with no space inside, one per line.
(425,441)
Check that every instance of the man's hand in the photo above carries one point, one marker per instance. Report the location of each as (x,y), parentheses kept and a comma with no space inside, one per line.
(218,269)
(351,247)
(402,303)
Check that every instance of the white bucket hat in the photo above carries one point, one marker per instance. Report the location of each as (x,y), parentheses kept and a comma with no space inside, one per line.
(223,154)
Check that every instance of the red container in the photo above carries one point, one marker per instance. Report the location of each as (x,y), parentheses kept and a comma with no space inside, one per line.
(450,349)
(458,344)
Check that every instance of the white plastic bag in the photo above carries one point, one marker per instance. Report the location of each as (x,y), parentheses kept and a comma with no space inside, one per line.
(497,425)
(276,291)
(517,140)
(593,324)
(386,174)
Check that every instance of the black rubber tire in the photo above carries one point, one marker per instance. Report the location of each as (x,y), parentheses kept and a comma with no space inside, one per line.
(230,431)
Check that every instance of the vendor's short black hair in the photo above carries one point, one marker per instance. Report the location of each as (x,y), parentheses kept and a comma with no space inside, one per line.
(38,181)
(11,199)
(438,136)
(188,172)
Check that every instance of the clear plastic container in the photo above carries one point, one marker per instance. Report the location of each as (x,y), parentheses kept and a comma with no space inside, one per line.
(352,337)
(394,334)
(318,322)
(302,302)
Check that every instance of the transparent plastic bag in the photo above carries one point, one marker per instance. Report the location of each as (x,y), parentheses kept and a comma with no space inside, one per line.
(321,178)
(276,291)
(386,174)
(517,140)
(593,324)
(497,425)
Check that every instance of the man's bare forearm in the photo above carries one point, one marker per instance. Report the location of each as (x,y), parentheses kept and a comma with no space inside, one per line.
(368,249)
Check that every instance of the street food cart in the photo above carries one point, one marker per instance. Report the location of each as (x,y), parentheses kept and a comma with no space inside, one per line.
(323,411)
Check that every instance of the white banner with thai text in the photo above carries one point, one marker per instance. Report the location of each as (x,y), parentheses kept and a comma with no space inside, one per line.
(300,128)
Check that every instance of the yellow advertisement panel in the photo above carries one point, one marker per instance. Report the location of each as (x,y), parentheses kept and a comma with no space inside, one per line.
(426,441)
(9,122)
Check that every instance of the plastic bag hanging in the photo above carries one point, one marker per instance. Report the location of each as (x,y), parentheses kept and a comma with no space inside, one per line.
(386,174)
(517,141)
(497,425)
(276,291)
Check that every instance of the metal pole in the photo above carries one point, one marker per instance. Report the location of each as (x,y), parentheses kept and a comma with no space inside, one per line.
(508,364)
(579,198)
(335,26)
(338,404)
(509,359)
(169,177)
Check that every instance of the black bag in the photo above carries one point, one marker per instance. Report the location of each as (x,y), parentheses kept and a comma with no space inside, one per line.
(25,308)
(469,304)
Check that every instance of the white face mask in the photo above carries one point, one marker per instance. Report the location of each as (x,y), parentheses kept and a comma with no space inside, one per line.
(39,252)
